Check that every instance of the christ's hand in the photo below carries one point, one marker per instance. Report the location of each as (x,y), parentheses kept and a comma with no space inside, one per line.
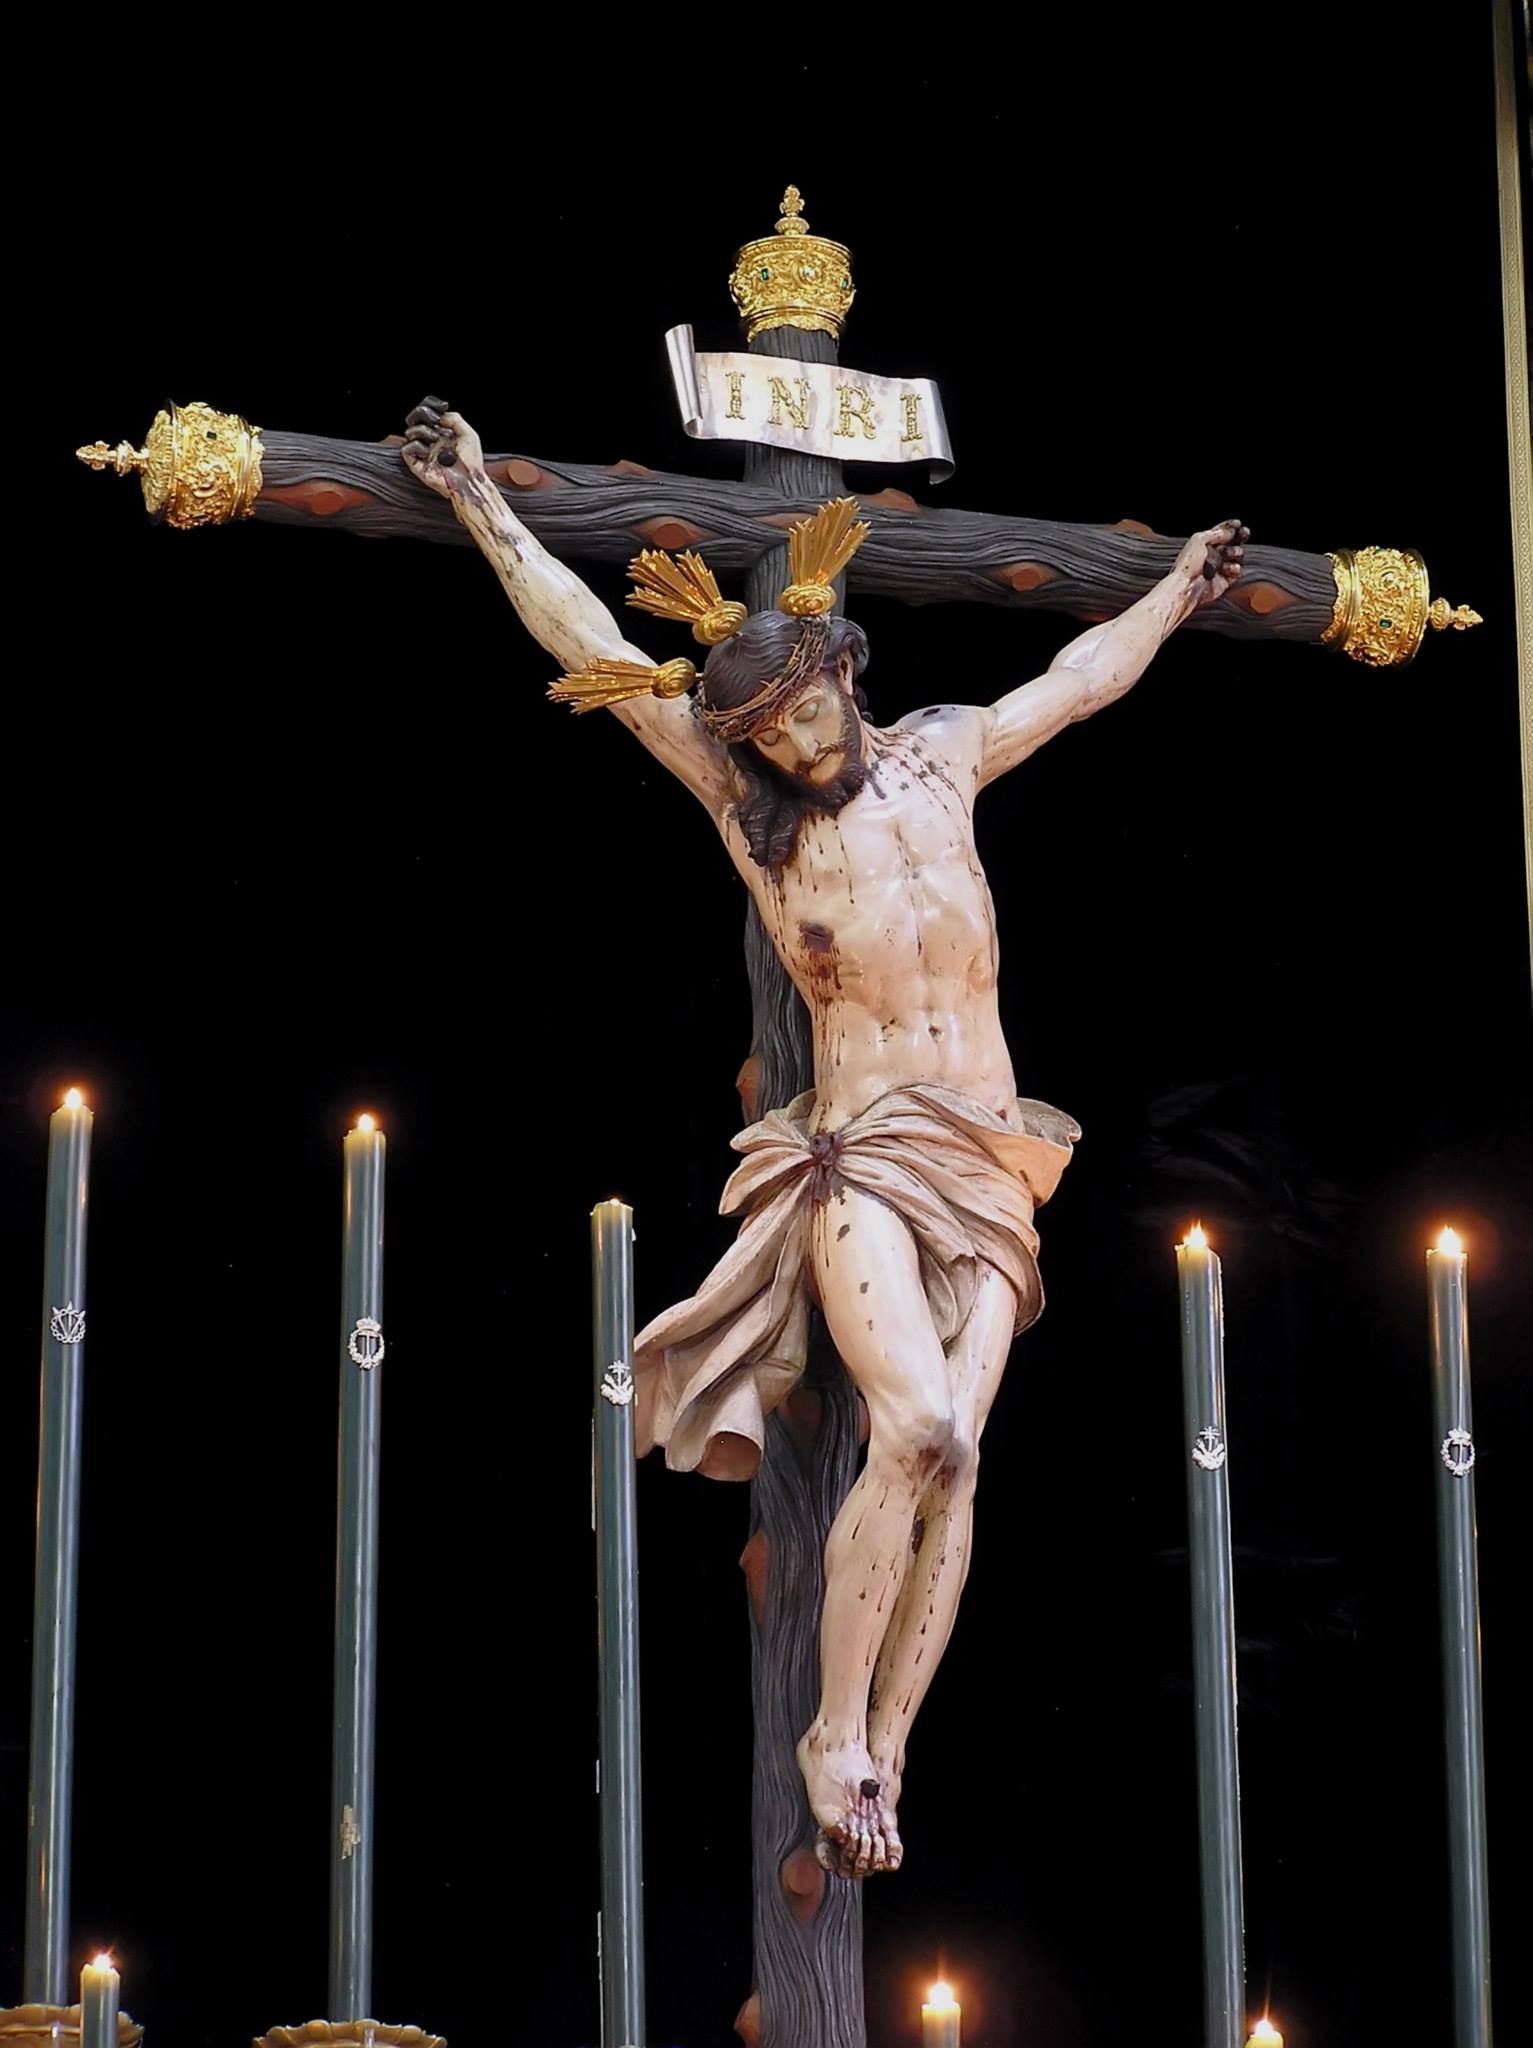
(1212,561)
(441,448)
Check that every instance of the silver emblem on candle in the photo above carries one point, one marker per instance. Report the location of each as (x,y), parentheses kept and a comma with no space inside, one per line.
(1457,1452)
(366,1342)
(351,1834)
(1208,1450)
(617,1384)
(66,1325)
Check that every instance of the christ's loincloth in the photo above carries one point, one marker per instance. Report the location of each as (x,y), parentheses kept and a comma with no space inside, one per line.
(963,1179)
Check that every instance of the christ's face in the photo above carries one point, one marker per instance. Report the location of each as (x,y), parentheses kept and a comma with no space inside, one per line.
(816,734)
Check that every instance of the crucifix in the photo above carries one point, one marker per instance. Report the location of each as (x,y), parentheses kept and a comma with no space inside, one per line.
(890,1174)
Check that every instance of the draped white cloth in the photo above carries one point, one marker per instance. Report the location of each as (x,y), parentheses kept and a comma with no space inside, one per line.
(964,1180)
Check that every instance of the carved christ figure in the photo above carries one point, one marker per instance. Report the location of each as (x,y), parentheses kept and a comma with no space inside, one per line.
(899,1194)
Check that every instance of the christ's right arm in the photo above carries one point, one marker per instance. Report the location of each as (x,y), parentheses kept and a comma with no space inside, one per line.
(559,611)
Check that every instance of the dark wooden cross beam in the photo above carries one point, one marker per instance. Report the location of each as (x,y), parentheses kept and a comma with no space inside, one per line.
(916,553)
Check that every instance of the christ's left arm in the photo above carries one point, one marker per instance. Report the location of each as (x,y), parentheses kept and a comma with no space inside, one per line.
(1106,662)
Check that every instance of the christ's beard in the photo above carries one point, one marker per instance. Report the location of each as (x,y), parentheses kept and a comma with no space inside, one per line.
(839,791)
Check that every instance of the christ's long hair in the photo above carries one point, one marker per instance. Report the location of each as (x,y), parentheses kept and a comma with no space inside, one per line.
(775,805)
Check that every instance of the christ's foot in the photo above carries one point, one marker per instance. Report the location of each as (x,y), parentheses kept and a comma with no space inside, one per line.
(858,1832)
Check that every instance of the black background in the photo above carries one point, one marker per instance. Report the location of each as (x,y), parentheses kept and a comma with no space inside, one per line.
(294,834)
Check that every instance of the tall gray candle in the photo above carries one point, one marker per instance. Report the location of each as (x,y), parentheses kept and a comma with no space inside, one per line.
(1213,1641)
(44,1965)
(621,1934)
(100,1993)
(356,1599)
(1458,1581)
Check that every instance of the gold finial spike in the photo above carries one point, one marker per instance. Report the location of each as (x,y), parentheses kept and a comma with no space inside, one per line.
(792,222)
(124,458)
(198,466)
(1440,616)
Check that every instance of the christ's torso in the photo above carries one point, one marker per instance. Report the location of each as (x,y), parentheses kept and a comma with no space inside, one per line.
(883,919)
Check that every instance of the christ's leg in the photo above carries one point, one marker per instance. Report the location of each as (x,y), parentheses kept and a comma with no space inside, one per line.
(928,1603)
(875,1308)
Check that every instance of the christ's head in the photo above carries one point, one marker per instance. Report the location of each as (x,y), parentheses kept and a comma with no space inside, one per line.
(807,754)
(817,731)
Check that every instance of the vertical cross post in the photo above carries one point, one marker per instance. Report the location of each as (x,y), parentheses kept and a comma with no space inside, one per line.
(807,1925)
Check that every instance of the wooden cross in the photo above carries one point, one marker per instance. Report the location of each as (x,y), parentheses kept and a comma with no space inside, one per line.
(201,467)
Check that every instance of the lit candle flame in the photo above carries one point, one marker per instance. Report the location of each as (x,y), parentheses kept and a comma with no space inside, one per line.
(1449,1241)
(1196,1238)
(1264,2030)
(940,1998)
(102,1962)
(74,1099)
(366,1123)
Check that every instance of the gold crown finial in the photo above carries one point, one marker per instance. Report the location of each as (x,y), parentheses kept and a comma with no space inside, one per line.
(1441,615)
(792,278)
(1384,606)
(198,467)
(124,458)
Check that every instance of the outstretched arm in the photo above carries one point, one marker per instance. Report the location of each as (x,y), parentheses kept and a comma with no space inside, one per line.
(1106,662)
(442,450)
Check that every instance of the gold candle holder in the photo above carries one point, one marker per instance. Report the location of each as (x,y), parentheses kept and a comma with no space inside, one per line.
(55,2026)
(198,467)
(348,2034)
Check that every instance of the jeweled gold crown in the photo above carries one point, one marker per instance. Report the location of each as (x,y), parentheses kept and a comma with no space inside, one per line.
(198,466)
(792,278)
(1384,605)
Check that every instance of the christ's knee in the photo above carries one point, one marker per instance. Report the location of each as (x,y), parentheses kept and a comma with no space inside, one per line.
(951,1473)
(912,1438)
